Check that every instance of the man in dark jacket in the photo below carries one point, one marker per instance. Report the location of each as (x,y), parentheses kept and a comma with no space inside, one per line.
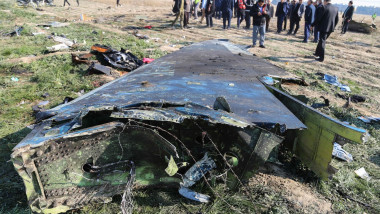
(270,14)
(227,9)
(326,21)
(259,13)
(241,12)
(296,17)
(309,18)
(249,5)
(347,16)
(318,9)
(287,17)
(210,10)
(281,12)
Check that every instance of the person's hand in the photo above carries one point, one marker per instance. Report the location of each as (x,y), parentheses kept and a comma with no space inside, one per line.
(265,12)
(259,14)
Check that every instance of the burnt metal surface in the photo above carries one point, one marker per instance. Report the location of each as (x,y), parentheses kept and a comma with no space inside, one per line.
(199,73)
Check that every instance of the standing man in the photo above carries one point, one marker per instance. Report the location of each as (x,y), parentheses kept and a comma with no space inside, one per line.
(281,12)
(227,8)
(249,5)
(210,10)
(326,21)
(296,17)
(319,9)
(290,10)
(187,10)
(259,13)
(204,5)
(270,14)
(179,10)
(196,7)
(309,18)
(347,16)
(241,12)
(66,1)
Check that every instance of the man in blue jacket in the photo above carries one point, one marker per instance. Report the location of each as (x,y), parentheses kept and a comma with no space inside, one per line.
(309,19)
(281,12)
(227,9)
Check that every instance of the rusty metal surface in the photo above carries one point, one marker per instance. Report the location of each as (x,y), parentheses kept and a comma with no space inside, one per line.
(197,74)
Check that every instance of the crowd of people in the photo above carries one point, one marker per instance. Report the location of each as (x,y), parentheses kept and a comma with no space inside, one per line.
(320,18)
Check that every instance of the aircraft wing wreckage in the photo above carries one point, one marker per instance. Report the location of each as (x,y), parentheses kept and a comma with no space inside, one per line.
(210,106)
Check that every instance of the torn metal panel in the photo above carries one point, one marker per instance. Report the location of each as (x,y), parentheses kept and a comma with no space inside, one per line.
(172,107)
(314,145)
(218,69)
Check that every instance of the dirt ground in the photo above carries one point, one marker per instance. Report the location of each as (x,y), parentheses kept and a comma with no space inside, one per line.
(353,57)
(299,195)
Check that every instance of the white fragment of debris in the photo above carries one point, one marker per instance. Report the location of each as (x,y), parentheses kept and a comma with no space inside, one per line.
(362,174)
(38,33)
(63,40)
(190,194)
(340,153)
(43,103)
(231,84)
(58,47)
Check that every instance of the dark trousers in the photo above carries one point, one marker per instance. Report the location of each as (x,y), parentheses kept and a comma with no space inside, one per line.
(118,3)
(307,32)
(209,20)
(285,22)
(186,19)
(66,1)
(240,17)
(247,19)
(280,20)
(316,34)
(296,22)
(227,15)
(345,25)
(267,23)
(320,51)
(218,14)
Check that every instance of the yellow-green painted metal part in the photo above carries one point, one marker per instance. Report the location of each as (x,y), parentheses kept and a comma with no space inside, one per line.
(314,145)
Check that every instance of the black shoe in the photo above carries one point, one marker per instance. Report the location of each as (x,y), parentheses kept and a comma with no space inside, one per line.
(318,59)
(262,46)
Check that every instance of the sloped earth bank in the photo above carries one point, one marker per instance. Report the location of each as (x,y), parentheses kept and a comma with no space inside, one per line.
(353,57)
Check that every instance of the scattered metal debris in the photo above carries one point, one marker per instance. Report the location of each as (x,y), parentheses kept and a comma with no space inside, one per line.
(80,152)
(54,24)
(333,80)
(362,174)
(16,32)
(118,59)
(58,47)
(340,153)
(100,68)
(140,36)
(369,119)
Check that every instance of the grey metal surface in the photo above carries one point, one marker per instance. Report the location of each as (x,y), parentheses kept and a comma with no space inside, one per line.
(197,74)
